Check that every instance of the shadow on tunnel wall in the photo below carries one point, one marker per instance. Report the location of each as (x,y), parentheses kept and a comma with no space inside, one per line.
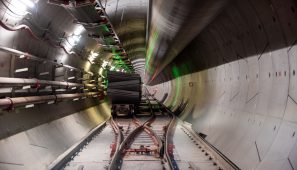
(244,29)
(239,76)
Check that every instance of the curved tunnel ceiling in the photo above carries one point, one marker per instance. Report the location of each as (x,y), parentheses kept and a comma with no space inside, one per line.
(130,21)
(227,67)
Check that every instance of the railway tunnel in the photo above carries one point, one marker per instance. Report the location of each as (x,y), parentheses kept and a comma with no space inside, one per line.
(218,84)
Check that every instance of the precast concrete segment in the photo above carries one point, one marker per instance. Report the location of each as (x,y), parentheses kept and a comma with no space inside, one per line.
(239,76)
(189,154)
(247,117)
(37,147)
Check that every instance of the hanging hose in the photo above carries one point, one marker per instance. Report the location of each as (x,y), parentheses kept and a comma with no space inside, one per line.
(30,32)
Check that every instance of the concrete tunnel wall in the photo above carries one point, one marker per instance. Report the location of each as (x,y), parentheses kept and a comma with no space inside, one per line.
(237,78)
(37,147)
(31,138)
(238,81)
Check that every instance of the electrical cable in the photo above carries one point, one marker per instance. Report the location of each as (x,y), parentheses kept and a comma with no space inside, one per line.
(29,31)
(21,15)
(27,28)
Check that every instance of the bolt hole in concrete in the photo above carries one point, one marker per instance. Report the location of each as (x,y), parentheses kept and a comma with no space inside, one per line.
(259,26)
(292,9)
(289,24)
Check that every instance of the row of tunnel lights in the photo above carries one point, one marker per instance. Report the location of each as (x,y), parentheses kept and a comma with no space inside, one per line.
(21,7)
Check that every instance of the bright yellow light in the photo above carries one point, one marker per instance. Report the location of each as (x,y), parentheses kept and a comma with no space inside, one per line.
(92,56)
(78,30)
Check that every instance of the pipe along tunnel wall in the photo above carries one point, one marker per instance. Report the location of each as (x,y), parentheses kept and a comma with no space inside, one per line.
(238,81)
(235,82)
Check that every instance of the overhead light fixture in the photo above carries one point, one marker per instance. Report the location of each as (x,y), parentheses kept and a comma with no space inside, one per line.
(92,56)
(100,71)
(76,38)
(21,6)
(78,30)
(73,40)
(62,58)
(18,7)
(28,3)
(104,64)
(71,78)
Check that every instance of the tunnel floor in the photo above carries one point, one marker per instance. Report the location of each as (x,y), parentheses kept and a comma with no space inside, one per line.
(155,142)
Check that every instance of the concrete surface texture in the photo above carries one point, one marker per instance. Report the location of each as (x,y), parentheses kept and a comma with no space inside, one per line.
(187,154)
(234,78)
(96,155)
(238,80)
(38,147)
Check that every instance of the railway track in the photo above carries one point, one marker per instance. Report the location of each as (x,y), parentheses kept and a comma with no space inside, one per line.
(143,146)
(153,139)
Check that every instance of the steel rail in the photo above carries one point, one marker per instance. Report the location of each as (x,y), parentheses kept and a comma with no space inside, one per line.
(227,163)
(119,135)
(117,158)
(218,155)
(170,160)
(67,156)
(148,130)
(169,133)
